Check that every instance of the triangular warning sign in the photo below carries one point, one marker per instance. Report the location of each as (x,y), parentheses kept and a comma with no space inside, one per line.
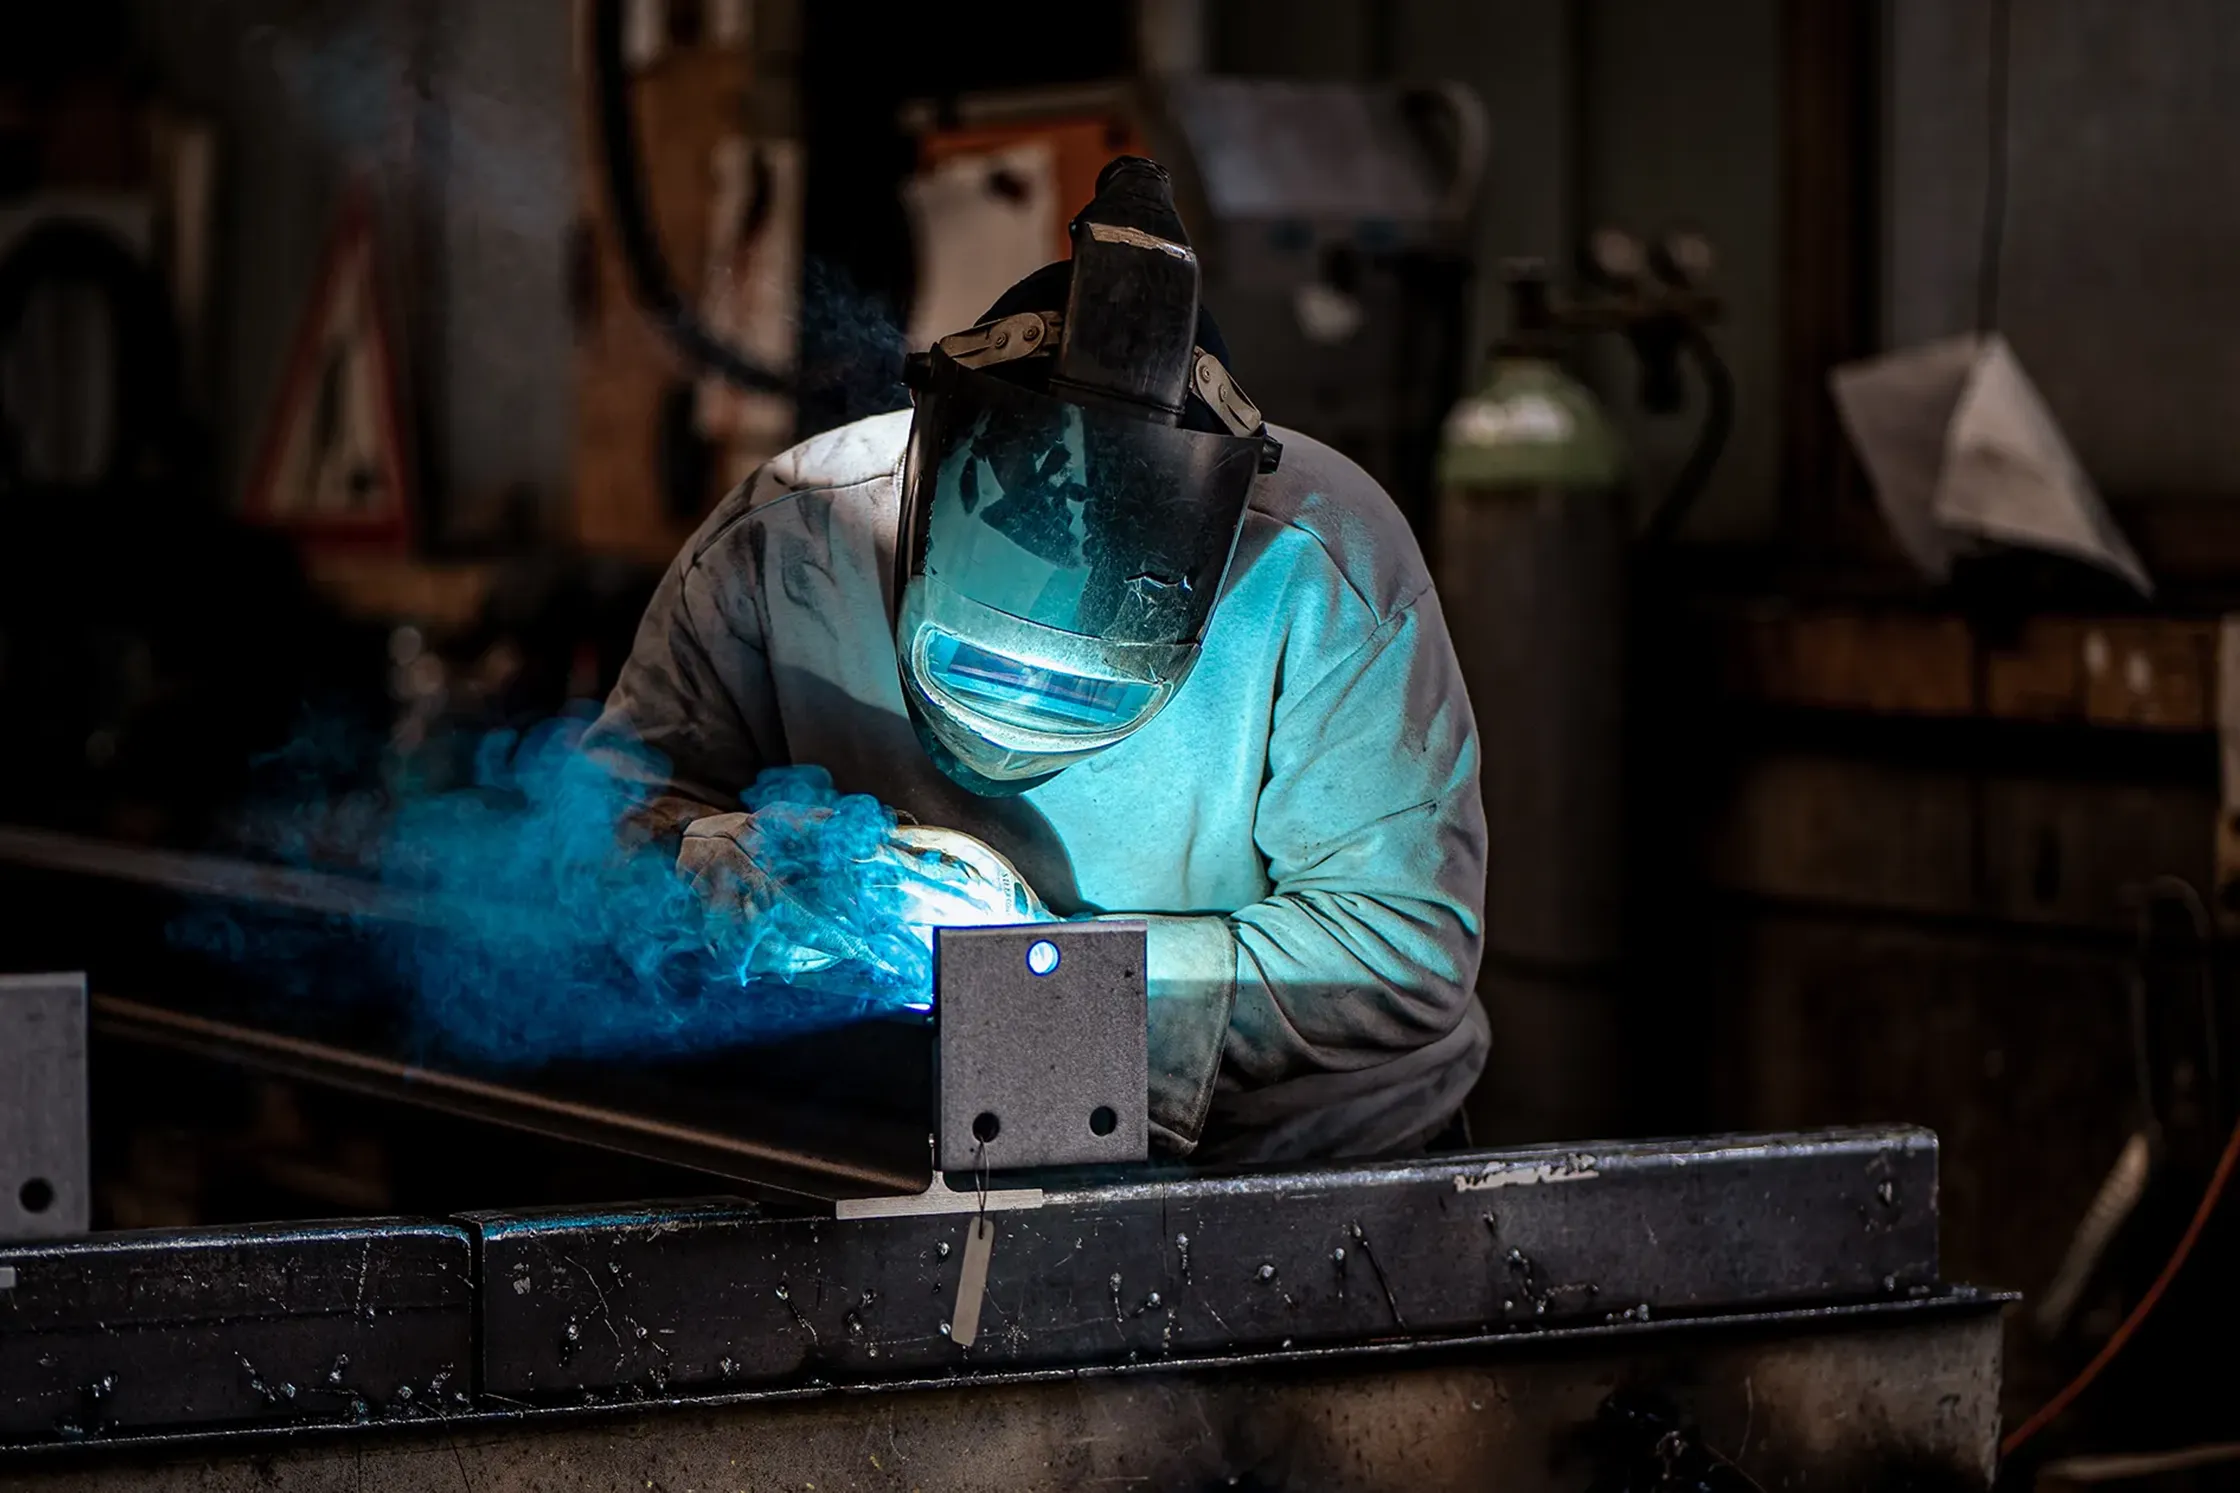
(333,464)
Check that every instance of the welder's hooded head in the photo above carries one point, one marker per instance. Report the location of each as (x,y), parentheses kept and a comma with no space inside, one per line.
(1076,479)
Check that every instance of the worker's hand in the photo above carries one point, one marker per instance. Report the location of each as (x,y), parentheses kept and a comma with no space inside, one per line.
(797,897)
(948,879)
(775,911)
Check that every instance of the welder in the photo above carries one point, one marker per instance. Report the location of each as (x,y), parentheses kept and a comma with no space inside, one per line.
(1111,647)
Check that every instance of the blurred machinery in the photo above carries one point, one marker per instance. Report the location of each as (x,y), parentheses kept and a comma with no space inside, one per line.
(1335,221)
(1331,220)
(149,644)
(686,266)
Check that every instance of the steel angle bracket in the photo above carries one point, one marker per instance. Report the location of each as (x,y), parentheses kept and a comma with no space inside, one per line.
(45,1173)
(1040,1047)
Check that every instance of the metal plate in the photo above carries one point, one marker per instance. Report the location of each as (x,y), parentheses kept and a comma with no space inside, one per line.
(677,1298)
(334,1322)
(44,1191)
(1041,1069)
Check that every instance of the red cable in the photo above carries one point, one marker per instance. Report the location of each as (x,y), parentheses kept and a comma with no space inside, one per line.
(2051,1410)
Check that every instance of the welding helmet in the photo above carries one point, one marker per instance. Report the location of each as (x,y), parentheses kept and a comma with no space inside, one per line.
(1076,478)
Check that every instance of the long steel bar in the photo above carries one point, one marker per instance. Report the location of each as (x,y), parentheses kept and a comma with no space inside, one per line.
(779,1168)
(212,876)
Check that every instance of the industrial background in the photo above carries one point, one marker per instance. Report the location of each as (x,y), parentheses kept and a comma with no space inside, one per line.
(1786,833)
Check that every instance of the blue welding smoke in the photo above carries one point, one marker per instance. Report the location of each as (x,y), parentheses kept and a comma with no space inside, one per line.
(534,937)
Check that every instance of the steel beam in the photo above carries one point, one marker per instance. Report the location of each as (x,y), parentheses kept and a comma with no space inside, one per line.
(722,1295)
(278,1324)
(329,1326)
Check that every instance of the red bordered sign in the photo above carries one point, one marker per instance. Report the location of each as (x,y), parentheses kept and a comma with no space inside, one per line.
(333,467)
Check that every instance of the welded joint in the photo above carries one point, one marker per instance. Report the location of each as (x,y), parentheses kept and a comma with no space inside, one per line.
(940,1198)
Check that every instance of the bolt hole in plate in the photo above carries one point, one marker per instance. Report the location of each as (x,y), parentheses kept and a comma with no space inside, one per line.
(36,1195)
(1103,1120)
(986,1127)
(1042,957)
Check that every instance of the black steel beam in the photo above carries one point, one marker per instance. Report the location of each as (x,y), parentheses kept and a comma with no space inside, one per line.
(339,1322)
(722,1295)
(330,1325)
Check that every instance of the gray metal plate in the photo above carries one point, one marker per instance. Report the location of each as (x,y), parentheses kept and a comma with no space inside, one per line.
(1041,1070)
(44,1189)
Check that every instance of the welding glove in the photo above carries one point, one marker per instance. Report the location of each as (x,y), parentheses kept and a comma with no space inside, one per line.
(951,880)
(871,902)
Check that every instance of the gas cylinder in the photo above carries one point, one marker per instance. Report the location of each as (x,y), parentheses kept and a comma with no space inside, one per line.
(1530,546)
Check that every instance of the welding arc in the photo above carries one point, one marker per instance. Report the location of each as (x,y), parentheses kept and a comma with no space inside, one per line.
(2052,1409)
(650,280)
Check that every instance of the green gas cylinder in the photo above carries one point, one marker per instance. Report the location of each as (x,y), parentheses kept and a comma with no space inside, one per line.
(1530,563)
(1531,424)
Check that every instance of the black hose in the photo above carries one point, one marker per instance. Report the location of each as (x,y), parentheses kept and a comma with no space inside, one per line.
(650,281)
(1711,439)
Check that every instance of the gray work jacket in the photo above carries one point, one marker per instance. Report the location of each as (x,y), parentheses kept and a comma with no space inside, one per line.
(1300,826)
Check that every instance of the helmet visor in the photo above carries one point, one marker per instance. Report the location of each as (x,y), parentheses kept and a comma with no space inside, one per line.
(1076,517)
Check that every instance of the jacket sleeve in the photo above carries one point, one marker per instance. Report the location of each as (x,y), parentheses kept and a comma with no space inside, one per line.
(678,727)
(1374,837)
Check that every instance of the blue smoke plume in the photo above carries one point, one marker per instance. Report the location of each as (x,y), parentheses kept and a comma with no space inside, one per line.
(528,934)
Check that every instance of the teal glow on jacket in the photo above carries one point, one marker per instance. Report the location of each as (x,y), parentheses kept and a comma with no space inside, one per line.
(1301,827)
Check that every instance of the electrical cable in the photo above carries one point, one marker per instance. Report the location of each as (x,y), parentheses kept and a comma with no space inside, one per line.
(2181,891)
(650,280)
(2188,896)
(2184,893)
(1718,420)
(2052,1409)
(2126,1183)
